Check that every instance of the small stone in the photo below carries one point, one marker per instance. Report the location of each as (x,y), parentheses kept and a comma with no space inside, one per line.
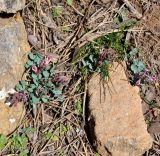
(11,6)
(3,94)
(116,118)
(12,120)
(14,48)
(10,117)
(8,103)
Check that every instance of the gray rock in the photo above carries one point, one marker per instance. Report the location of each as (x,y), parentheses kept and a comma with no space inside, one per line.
(11,6)
(13,49)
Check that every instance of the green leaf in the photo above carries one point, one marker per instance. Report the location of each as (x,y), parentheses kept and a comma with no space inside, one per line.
(34,76)
(24,153)
(44,99)
(18,87)
(30,63)
(79,107)
(46,74)
(54,138)
(3,141)
(137,66)
(70,2)
(63,130)
(35,82)
(57,11)
(26,66)
(28,130)
(33,86)
(50,84)
(133,52)
(39,76)
(60,98)
(31,56)
(66,29)
(37,59)
(30,90)
(35,100)
(23,82)
(91,58)
(57,92)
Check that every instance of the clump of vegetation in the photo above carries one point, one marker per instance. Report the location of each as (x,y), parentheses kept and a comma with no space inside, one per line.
(42,83)
(18,142)
(96,56)
(57,11)
(70,2)
(140,74)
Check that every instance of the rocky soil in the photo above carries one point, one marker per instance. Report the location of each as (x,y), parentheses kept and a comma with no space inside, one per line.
(96,116)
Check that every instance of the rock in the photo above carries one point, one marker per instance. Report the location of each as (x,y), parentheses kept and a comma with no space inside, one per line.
(13,51)
(145,107)
(116,119)
(10,117)
(11,6)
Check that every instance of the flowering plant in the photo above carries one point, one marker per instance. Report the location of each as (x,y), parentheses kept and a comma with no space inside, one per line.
(42,84)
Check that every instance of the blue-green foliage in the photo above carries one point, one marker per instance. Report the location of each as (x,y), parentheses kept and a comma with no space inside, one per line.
(89,59)
(40,86)
(137,66)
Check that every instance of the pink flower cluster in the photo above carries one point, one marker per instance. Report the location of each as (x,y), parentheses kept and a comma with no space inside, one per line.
(42,65)
(102,56)
(18,97)
(146,76)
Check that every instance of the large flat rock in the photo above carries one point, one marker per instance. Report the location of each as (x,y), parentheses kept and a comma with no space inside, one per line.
(11,6)
(116,119)
(13,51)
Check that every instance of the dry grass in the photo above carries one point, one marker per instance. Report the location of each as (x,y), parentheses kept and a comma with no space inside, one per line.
(64,120)
(64,36)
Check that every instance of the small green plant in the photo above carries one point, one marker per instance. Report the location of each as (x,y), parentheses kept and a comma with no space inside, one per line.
(96,56)
(57,11)
(3,141)
(63,129)
(42,84)
(79,108)
(50,135)
(20,143)
(97,154)
(133,53)
(70,2)
(66,29)
(137,66)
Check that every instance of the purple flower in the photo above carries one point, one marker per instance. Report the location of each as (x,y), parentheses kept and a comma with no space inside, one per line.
(138,83)
(152,78)
(47,60)
(102,56)
(19,97)
(34,68)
